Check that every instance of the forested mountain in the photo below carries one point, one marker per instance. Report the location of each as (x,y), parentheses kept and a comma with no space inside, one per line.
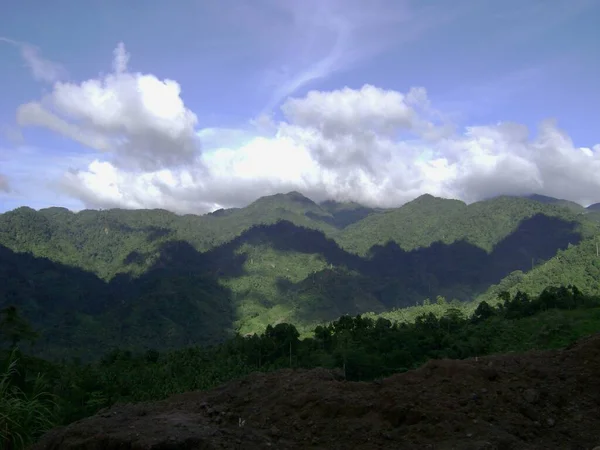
(428,219)
(594,207)
(556,201)
(578,265)
(150,278)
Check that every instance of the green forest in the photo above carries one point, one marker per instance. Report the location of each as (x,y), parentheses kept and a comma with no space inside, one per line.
(152,279)
(100,307)
(37,394)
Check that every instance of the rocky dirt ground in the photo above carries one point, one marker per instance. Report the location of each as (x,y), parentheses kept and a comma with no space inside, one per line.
(536,400)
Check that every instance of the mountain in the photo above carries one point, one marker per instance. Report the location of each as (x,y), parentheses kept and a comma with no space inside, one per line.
(151,278)
(556,201)
(578,265)
(593,212)
(80,314)
(345,214)
(429,219)
(594,207)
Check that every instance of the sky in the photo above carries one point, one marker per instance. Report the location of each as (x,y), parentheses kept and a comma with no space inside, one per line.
(197,105)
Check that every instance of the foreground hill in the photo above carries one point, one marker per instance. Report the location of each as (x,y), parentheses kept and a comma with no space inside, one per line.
(534,400)
(360,348)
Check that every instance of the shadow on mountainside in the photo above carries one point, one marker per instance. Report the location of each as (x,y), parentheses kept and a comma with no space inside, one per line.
(393,277)
(342,218)
(179,300)
(173,304)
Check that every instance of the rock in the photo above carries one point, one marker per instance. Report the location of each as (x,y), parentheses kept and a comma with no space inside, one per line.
(530,412)
(531,395)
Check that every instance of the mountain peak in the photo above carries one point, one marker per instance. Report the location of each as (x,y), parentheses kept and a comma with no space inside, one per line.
(292,197)
(428,198)
(298,197)
(425,198)
(554,201)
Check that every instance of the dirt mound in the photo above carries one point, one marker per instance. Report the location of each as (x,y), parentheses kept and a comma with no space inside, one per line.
(536,400)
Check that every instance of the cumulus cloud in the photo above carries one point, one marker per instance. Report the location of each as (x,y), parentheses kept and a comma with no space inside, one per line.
(349,130)
(4,186)
(140,120)
(41,68)
(370,145)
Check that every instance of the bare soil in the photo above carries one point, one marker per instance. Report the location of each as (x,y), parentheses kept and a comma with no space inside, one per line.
(535,400)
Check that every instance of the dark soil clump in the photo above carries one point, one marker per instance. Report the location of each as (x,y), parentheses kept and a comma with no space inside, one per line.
(535,400)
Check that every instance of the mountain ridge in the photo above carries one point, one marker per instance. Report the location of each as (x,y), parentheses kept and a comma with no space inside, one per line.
(300,197)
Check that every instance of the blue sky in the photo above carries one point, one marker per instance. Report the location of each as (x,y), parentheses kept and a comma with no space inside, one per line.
(239,63)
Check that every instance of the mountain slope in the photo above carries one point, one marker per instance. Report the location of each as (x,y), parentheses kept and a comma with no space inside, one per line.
(594,207)
(578,265)
(105,242)
(428,219)
(269,274)
(152,278)
(575,207)
(80,314)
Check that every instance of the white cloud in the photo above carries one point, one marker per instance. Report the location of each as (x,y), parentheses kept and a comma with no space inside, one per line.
(141,120)
(370,145)
(348,111)
(41,68)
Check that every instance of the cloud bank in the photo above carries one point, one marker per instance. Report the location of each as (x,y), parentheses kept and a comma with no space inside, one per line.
(370,145)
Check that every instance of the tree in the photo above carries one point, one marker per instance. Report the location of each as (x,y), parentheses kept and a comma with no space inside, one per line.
(482,312)
(14,328)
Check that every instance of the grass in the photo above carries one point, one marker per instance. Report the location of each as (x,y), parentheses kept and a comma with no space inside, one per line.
(23,417)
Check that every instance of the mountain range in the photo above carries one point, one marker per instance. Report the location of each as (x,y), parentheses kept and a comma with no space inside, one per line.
(142,279)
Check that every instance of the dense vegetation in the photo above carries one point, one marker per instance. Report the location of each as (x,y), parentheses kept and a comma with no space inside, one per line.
(188,302)
(150,278)
(578,264)
(37,394)
(428,219)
